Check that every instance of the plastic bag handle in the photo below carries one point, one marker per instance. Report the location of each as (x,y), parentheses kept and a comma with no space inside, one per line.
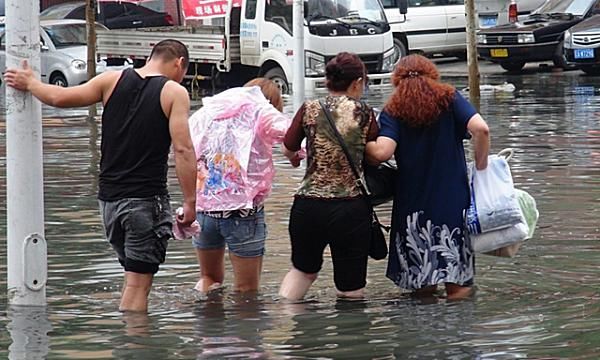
(507,153)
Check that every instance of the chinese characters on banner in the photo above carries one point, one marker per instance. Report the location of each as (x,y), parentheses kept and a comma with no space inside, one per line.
(203,9)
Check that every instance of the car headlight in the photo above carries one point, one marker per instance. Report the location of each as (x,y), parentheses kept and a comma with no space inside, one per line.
(79,64)
(525,38)
(567,37)
(314,64)
(390,59)
(481,39)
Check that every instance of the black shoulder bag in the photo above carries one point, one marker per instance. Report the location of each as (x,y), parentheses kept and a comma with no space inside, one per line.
(378,248)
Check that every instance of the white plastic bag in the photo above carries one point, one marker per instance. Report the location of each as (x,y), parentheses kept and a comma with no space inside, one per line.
(494,203)
(506,242)
(489,241)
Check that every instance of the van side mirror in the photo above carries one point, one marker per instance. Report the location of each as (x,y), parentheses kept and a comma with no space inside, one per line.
(403,6)
(44,47)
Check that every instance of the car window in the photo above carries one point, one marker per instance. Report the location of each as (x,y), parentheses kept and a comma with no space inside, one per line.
(78,13)
(1,7)
(251,9)
(59,11)
(421,3)
(279,12)
(132,9)
(113,10)
(575,7)
(67,35)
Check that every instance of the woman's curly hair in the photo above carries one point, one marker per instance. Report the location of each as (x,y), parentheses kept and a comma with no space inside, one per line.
(419,97)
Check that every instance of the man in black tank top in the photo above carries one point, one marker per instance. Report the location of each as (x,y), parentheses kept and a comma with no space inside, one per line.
(144,111)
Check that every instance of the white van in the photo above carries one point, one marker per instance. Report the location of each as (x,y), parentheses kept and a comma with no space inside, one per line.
(439,26)
(431,26)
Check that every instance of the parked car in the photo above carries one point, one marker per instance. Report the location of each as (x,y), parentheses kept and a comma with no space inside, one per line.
(439,26)
(63,52)
(537,37)
(582,45)
(112,14)
(496,12)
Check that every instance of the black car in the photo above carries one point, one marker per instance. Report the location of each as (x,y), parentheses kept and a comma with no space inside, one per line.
(537,37)
(113,14)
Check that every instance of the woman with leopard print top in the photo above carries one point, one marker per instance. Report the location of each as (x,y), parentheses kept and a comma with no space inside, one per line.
(328,207)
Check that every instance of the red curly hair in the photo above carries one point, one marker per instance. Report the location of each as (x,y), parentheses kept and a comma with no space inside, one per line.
(419,97)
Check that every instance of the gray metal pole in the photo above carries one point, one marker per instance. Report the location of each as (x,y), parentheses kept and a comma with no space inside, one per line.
(26,245)
(90,19)
(474,93)
(298,67)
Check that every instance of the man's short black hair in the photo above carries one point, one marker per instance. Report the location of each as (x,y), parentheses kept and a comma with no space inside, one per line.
(170,49)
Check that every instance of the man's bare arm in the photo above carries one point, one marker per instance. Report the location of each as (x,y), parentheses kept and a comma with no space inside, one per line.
(91,92)
(185,156)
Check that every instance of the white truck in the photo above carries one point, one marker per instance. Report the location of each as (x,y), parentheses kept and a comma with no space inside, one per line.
(255,39)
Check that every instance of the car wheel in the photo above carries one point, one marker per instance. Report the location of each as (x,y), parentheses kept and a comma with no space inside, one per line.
(59,80)
(591,70)
(559,59)
(399,49)
(513,66)
(277,75)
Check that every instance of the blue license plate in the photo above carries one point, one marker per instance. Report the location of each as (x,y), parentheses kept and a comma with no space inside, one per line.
(584,53)
(488,21)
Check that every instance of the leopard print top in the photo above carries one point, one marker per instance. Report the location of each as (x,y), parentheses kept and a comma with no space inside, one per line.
(328,173)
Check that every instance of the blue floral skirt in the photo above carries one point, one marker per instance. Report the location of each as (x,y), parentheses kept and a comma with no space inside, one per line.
(423,254)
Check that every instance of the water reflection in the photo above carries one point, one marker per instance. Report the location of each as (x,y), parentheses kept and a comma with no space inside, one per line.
(28,328)
(542,304)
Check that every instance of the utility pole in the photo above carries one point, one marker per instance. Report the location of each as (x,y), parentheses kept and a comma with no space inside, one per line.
(26,245)
(90,19)
(474,93)
(298,69)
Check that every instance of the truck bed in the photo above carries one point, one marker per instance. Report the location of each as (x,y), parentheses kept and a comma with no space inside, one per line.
(206,44)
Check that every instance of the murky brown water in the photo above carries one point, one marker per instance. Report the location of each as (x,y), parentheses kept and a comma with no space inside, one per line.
(542,304)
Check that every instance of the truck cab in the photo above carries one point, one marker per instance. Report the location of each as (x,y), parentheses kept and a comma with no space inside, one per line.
(330,27)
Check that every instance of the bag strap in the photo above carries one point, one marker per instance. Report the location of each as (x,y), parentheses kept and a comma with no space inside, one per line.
(363,188)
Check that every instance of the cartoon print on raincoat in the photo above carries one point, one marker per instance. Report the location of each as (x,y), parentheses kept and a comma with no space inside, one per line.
(233,142)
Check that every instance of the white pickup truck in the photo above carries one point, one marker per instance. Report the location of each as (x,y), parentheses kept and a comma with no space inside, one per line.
(255,39)
(439,26)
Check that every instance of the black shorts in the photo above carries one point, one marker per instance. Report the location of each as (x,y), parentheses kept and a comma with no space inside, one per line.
(138,230)
(344,225)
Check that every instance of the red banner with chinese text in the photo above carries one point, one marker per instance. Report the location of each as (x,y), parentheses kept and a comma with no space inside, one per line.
(203,9)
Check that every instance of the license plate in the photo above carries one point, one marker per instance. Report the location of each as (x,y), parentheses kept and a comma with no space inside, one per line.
(584,53)
(488,21)
(499,52)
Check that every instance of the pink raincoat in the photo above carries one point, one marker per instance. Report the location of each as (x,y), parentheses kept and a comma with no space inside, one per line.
(233,135)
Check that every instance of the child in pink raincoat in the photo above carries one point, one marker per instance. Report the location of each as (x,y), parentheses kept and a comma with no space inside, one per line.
(234,134)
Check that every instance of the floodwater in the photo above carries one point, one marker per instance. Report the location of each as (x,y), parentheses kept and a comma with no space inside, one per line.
(544,303)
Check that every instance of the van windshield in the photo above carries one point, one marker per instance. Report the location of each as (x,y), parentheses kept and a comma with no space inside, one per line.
(347,10)
(575,7)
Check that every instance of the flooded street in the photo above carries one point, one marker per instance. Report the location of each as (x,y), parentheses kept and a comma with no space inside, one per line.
(544,303)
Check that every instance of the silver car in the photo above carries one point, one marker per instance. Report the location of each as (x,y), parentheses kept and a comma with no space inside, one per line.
(63,52)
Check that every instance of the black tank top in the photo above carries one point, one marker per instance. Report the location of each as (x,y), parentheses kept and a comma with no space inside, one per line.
(135,139)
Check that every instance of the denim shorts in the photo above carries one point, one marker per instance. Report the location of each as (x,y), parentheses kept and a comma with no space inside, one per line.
(138,229)
(244,236)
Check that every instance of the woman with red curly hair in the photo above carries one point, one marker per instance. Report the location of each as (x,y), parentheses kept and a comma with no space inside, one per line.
(423,124)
